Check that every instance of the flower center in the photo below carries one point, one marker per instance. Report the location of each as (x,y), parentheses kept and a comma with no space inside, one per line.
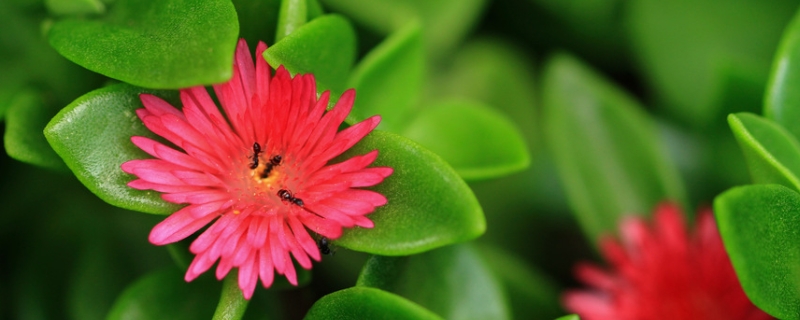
(269,180)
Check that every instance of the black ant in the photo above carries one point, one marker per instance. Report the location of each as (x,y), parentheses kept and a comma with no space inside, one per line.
(324,246)
(256,151)
(286,195)
(273,162)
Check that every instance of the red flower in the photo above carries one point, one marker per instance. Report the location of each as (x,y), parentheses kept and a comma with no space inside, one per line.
(663,273)
(258,173)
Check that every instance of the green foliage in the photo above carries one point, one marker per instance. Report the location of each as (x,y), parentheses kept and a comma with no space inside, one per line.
(531,293)
(165,295)
(71,7)
(605,147)
(772,153)
(454,282)
(26,117)
(92,135)
(388,80)
(759,227)
(782,99)
(232,304)
(478,141)
(157,44)
(429,204)
(444,22)
(325,46)
(366,303)
(691,50)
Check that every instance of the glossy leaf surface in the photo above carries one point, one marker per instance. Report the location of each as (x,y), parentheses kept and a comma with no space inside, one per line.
(782,99)
(325,46)
(152,43)
(606,149)
(479,142)
(92,135)
(454,282)
(23,140)
(772,153)
(366,303)
(429,206)
(759,227)
(389,79)
(165,295)
(293,15)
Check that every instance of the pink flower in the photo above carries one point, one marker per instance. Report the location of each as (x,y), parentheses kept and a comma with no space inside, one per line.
(258,174)
(663,273)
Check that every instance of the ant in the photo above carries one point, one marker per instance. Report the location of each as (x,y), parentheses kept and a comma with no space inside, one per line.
(286,195)
(256,151)
(324,246)
(273,162)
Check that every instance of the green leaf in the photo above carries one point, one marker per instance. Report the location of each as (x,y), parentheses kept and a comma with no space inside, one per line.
(500,75)
(258,20)
(772,153)
(429,205)
(479,142)
(314,9)
(75,7)
(165,295)
(531,294)
(759,227)
(292,16)
(325,47)
(688,48)
(92,135)
(389,79)
(166,44)
(605,148)
(782,99)
(232,303)
(26,117)
(454,282)
(444,22)
(366,303)
(569,317)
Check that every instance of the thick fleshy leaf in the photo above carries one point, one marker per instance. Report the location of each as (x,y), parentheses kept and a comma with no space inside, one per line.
(325,46)
(479,142)
(389,79)
(759,227)
(500,75)
(782,99)
(605,147)
(429,205)
(25,119)
(688,49)
(232,303)
(772,153)
(366,303)
(444,22)
(153,43)
(165,295)
(530,293)
(293,14)
(76,7)
(258,20)
(92,135)
(454,282)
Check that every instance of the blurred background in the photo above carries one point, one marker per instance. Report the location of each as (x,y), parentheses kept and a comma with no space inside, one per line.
(684,65)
